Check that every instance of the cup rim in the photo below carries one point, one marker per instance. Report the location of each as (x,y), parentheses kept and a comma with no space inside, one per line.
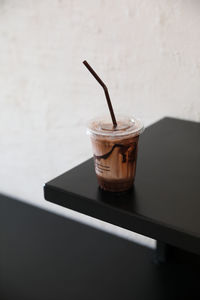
(135,127)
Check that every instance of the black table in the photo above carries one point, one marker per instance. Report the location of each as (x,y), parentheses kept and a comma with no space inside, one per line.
(48,257)
(165,201)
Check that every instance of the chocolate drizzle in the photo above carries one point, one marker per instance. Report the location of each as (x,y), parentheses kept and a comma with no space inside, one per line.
(123,150)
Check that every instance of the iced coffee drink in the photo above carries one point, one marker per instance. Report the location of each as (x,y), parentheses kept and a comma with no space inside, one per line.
(115,151)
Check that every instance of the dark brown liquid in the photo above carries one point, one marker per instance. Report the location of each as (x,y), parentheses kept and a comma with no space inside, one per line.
(115,162)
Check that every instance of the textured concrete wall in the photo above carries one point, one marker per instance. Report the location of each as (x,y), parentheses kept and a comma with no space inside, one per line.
(147,51)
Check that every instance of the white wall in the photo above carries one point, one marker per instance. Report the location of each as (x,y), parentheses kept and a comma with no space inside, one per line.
(147,51)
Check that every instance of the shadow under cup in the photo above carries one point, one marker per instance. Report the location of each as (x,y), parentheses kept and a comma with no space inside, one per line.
(115,152)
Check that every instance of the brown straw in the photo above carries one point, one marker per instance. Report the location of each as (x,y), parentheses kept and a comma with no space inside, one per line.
(105,90)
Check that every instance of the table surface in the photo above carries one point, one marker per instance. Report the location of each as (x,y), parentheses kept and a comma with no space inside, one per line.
(45,256)
(165,201)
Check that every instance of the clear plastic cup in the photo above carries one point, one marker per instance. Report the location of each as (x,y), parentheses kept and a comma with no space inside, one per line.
(115,151)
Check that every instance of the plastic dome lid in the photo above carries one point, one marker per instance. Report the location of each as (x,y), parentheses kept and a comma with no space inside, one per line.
(126,125)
